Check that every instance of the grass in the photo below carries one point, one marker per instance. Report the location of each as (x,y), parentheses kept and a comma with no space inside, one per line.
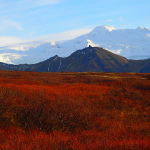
(74,111)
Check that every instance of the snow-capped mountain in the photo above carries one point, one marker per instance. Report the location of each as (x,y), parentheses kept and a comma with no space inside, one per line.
(130,43)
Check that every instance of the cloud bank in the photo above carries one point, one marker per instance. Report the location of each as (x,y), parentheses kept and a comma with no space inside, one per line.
(67,35)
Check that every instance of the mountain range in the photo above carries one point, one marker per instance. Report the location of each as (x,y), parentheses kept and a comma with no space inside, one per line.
(129,43)
(90,59)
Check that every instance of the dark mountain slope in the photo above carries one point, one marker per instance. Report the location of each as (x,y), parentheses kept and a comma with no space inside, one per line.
(91,59)
(142,66)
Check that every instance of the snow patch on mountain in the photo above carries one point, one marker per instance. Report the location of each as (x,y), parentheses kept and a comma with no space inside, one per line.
(130,43)
(108,28)
(91,43)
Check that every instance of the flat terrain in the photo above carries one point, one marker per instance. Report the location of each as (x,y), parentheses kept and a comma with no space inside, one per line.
(74,111)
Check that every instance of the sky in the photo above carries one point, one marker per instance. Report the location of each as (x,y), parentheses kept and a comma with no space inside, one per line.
(22,20)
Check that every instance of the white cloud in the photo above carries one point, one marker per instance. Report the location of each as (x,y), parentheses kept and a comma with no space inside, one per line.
(18,42)
(35,3)
(148,35)
(67,35)
(109,28)
(118,52)
(9,57)
(8,40)
(9,25)
(21,5)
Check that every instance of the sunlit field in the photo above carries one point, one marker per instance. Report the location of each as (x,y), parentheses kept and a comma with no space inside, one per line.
(74,111)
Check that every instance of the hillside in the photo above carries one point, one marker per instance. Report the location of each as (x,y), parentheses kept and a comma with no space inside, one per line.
(74,111)
(90,59)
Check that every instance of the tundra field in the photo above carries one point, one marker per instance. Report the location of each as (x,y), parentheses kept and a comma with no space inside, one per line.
(74,111)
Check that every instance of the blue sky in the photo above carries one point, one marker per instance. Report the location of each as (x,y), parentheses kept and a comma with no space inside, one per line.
(29,19)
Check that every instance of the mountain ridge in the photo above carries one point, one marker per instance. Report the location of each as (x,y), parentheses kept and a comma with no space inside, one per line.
(90,59)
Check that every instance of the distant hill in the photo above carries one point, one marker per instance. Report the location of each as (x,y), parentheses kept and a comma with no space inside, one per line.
(90,59)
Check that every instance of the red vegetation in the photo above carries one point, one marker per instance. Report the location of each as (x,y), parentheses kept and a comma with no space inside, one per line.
(74,111)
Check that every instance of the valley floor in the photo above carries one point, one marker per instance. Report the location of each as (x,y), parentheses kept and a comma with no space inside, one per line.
(74,111)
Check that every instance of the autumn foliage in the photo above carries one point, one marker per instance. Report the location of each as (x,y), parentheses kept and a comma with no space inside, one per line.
(74,111)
